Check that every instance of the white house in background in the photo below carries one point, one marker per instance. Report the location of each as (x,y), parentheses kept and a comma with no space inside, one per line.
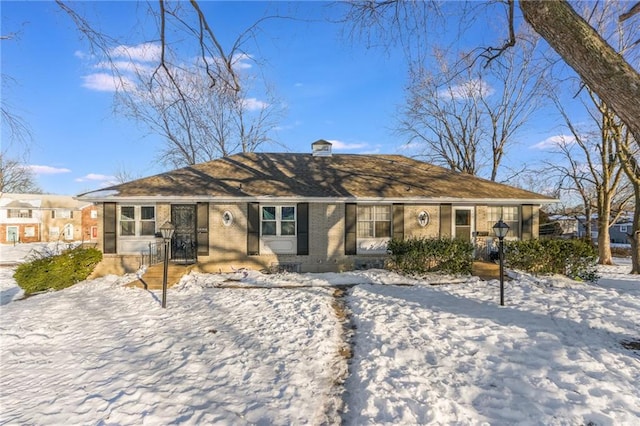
(30,218)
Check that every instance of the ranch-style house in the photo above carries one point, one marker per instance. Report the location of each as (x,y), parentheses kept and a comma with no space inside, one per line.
(312,212)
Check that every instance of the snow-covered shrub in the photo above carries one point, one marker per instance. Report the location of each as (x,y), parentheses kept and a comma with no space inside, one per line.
(420,255)
(576,259)
(58,271)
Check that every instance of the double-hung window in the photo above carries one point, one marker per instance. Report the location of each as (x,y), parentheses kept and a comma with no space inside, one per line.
(278,221)
(373,229)
(61,214)
(509,215)
(374,221)
(127,220)
(19,213)
(147,220)
(137,220)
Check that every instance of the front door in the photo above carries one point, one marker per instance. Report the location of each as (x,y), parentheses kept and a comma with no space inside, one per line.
(463,223)
(184,242)
(12,234)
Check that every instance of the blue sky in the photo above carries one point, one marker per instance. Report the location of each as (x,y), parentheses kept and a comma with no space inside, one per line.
(334,88)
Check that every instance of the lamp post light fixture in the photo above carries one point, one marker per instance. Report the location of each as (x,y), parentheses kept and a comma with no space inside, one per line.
(501,229)
(167,233)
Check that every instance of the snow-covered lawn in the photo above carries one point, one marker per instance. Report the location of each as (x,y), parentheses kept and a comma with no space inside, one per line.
(270,349)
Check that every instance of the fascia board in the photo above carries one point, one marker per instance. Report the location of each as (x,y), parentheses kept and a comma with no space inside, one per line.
(273,199)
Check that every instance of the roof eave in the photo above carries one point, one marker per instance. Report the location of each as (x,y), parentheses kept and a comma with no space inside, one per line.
(298,199)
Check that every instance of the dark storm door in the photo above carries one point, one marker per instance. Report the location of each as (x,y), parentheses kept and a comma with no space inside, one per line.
(184,243)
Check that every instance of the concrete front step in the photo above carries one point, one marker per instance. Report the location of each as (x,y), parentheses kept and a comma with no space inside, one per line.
(487,270)
(152,278)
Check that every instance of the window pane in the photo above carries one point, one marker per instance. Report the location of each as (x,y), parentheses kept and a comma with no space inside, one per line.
(463,218)
(288,213)
(288,228)
(268,213)
(383,212)
(383,229)
(365,213)
(147,213)
(148,227)
(127,213)
(268,228)
(127,227)
(365,229)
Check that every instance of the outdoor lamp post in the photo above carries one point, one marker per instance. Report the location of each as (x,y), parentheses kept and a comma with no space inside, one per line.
(167,233)
(501,229)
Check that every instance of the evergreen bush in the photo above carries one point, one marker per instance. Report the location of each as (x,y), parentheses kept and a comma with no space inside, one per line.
(576,259)
(58,271)
(421,255)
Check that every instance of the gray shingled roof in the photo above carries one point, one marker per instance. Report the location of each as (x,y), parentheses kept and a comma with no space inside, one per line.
(303,175)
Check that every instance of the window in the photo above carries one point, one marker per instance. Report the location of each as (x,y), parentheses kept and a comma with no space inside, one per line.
(278,220)
(19,213)
(54,232)
(94,214)
(374,221)
(623,228)
(30,231)
(147,220)
(61,214)
(508,214)
(127,220)
(137,220)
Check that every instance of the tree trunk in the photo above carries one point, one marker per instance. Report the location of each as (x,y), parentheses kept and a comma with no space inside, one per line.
(634,237)
(604,240)
(596,62)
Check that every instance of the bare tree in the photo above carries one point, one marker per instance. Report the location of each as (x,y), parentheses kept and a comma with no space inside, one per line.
(201,122)
(630,159)
(592,169)
(603,69)
(16,177)
(468,115)
(202,108)
(16,128)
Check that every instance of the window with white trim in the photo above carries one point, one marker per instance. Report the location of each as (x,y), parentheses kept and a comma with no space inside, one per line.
(127,220)
(278,220)
(509,215)
(61,214)
(137,221)
(147,220)
(19,213)
(374,221)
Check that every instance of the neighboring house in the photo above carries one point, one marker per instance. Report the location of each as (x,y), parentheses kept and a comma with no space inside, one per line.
(619,232)
(306,212)
(576,227)
(28,218)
